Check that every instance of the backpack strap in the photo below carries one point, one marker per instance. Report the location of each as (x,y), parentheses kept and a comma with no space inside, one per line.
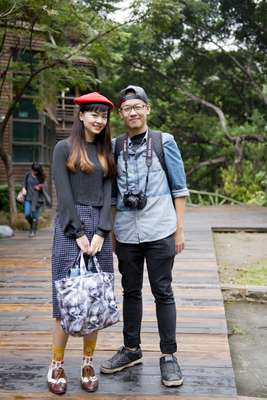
(158,149)
(118,146)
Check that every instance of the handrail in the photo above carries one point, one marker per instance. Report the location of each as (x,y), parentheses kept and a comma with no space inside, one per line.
(214,198)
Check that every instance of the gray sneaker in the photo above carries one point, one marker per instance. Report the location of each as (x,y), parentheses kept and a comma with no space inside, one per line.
(124,358)
(171,374)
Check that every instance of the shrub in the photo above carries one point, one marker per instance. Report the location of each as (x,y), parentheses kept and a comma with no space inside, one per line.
(250,187)
(4,201)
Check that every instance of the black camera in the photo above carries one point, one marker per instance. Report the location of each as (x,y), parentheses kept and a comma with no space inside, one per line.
(135,200)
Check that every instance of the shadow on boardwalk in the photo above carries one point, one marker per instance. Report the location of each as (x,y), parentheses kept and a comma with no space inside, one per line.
(204,356)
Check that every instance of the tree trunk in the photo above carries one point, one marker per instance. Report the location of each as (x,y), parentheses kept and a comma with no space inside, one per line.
(239,151)
(13,212)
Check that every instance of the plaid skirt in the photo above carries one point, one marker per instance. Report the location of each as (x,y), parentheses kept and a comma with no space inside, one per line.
(65,250)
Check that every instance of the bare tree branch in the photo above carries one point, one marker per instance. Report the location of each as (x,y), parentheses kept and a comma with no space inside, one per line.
(252,138)
(214,161)
(217,110)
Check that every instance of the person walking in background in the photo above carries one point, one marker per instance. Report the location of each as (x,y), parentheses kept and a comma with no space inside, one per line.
(83,168)
(150,194)
(34,195)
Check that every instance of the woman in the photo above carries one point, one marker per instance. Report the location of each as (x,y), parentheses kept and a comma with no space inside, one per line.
(82,167)
(33,190)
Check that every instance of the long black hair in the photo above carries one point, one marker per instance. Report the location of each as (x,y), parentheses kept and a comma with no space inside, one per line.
(38,169)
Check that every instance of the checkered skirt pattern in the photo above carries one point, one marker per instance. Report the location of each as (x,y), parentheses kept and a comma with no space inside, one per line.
(65,249)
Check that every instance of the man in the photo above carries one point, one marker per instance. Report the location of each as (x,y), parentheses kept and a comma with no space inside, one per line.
(150,203)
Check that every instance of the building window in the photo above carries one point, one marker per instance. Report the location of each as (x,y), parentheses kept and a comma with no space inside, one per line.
(26,131)
(33,134)
(26,154)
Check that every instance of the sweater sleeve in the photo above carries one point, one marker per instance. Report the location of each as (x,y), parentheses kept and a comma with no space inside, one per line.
(105,218)
(68,217)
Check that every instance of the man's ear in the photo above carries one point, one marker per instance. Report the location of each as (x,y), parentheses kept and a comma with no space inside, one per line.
(148,109)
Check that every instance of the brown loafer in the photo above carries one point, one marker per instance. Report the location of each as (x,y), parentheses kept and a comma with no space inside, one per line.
(89,380)
(56,378)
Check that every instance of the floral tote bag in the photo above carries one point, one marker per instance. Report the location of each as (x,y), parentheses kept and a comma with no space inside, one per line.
(86,298)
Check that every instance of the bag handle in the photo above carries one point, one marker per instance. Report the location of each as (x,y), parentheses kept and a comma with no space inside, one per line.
(82,264)
(96,264)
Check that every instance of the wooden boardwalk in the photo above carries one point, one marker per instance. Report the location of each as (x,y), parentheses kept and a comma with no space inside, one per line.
(25,324)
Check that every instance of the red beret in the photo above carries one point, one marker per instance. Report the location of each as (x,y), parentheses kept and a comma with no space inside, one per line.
(93,98)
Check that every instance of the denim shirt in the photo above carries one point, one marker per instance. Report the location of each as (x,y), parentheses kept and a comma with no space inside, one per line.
(158,219)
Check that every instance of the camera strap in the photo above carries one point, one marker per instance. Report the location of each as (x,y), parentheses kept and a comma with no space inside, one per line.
(149,156)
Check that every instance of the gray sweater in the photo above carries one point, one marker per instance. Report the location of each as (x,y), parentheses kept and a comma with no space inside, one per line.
(29,182)
(80,188)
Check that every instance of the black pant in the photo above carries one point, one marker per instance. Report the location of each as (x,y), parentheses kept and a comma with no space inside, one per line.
(159,256)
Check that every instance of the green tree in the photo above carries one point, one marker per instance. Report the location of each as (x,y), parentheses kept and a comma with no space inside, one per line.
(204,66)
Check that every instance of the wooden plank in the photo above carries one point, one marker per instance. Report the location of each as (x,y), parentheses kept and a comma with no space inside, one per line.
(26,325)
(187,359)
(142,379)
(82,396)
(213,346)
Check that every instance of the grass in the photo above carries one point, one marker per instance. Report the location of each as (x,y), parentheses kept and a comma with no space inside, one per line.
(254,274)
(236,330)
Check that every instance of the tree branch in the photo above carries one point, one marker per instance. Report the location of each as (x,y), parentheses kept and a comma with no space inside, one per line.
(214,161)
(3,74)
(3,39)
(30,43)
(8,12)
(94,39)
(252,138)
(217,110)
(245,70)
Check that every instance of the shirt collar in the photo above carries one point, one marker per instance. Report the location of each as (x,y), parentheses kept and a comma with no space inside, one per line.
(130,144)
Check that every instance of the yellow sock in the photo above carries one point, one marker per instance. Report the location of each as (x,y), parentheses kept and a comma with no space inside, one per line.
(88,347)
(58,353)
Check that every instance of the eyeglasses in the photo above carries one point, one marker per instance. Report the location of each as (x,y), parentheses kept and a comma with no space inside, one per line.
(136,107)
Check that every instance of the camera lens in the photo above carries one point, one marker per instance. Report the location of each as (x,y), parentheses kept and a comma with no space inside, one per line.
(133,201)
(130,200)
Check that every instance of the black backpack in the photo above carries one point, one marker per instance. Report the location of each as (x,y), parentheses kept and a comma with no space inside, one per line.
(157,147)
